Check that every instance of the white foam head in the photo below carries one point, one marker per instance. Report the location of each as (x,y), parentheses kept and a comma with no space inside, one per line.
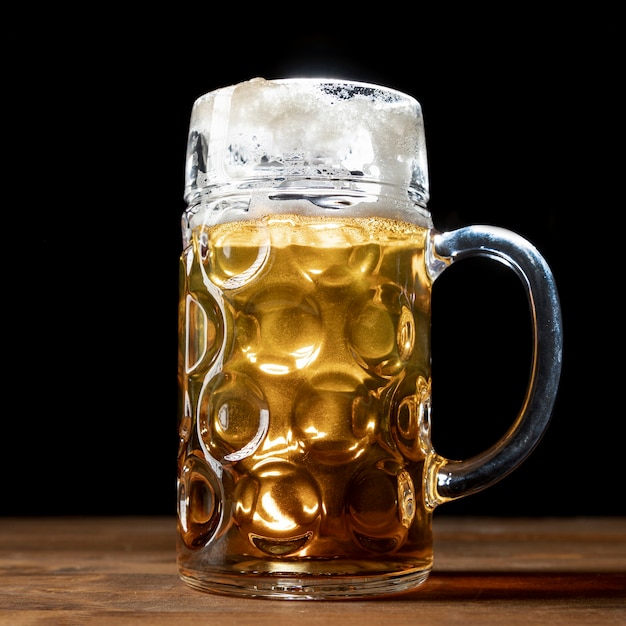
(264,131)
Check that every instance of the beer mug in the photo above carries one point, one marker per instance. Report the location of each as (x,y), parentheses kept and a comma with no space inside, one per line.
(306,468)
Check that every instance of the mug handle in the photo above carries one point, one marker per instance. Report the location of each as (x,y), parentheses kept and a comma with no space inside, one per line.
(448,479)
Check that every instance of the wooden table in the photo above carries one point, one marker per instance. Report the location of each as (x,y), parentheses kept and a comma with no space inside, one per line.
(63,571)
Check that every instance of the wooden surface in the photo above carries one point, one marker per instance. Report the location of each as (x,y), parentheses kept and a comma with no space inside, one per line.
(63,571)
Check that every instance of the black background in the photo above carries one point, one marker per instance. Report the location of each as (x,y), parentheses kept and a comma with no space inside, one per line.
(520,109)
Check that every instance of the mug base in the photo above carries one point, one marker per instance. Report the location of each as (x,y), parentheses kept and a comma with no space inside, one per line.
(306,587)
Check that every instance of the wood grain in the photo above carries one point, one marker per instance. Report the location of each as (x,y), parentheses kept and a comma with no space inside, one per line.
(122,570)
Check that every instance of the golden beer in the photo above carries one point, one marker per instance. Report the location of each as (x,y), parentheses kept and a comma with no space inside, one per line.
(305,369)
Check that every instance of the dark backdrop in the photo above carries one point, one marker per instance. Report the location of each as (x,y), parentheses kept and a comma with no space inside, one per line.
(519,113)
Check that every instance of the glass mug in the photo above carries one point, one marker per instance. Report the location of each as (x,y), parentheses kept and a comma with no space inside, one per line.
(305,467)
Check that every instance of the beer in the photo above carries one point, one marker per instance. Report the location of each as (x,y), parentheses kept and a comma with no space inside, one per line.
(305,401)
(305,466)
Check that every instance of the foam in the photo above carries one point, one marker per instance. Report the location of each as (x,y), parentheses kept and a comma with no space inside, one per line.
(307,128)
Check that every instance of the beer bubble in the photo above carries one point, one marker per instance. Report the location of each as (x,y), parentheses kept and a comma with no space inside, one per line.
(199,502)
(407,499)
(335,254)
(381,330)
(232,257)
(186,422)
(423,395)
(204,331)
(234,417)
(373,507)
(325,413)
(365,416)
(405,335)
(365,258)
(278,505)
(373,333)
(410,417)
(406,419)
(326,266)
(280,330)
